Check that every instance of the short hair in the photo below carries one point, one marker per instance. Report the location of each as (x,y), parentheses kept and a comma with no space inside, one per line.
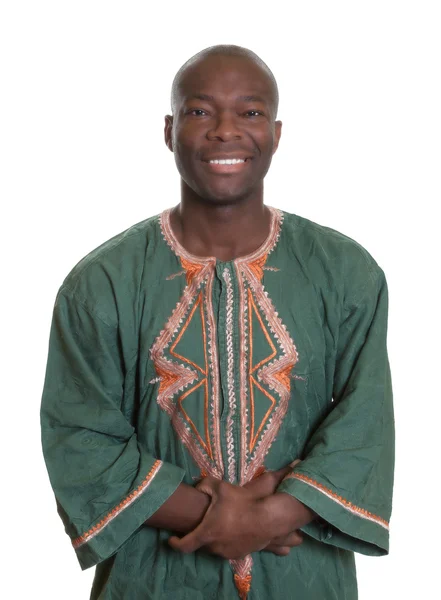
(223,50)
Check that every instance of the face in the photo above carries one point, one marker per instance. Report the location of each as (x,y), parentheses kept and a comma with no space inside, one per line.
(224,111)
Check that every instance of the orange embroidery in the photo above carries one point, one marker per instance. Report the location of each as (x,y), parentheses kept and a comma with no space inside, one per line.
(82,539)
(252,369)
(166,378)
(268,339)
(181,333)
(243,585)
(185,377)
(242,575)
(257,267)
(284,376)
(191,269)
(361,512)
(270,375)
(254,439)
(206,445)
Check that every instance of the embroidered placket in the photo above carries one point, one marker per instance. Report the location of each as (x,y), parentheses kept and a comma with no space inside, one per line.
(245,379)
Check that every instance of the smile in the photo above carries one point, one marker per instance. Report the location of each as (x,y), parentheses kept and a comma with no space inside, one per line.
(226,161)
(227,165)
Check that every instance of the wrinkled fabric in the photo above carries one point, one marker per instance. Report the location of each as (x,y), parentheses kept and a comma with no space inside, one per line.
(164,367)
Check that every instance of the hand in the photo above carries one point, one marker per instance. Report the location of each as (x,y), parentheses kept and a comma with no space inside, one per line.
(234,526)
(282,545)
(265,485)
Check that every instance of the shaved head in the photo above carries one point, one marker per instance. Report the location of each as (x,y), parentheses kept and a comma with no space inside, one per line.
(225,50)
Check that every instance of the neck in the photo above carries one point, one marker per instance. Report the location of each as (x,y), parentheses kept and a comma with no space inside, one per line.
(225,231)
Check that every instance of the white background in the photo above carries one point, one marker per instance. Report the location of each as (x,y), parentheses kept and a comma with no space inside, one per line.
(85,87)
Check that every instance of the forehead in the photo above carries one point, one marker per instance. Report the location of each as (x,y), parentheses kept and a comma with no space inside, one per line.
(225,76)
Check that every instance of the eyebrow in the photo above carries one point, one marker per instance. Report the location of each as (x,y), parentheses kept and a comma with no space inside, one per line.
(209,98)
(252,98)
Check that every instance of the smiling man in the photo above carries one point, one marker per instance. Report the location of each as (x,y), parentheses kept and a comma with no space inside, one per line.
(217,416)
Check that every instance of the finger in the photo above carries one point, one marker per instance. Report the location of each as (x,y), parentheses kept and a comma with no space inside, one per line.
(189,543)
(200,536)
(264,485)
(208,485)
(279,550)
(289,467)
(282,473)
(295,538)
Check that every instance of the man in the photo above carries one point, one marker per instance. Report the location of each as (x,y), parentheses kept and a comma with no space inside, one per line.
(217,416)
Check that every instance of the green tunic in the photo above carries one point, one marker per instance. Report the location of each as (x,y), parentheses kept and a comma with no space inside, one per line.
(164,367)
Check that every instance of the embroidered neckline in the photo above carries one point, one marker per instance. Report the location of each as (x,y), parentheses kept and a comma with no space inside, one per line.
(265,248)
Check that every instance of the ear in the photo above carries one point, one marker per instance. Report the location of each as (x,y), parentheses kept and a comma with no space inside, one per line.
(278,133)
(168,132)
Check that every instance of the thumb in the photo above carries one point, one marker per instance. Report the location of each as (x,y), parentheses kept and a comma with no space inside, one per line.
(209,486)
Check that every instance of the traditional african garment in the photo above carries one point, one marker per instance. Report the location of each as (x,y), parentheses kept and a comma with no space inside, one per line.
(164,367)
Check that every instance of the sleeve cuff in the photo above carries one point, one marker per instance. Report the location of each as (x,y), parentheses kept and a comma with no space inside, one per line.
(346,525)
(105,538)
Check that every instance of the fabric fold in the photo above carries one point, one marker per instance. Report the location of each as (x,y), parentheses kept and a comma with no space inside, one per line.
(346,474)
(106,484)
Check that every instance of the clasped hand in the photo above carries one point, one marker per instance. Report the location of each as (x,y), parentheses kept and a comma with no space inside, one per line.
(241,520)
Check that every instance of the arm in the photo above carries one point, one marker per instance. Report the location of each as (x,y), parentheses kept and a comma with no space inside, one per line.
(105,482)
(241,520)
(346,475)
(186,507)
(182,512)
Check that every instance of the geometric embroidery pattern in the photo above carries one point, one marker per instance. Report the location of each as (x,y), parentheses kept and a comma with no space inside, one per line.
(270,375)
(264,381)
(181,378)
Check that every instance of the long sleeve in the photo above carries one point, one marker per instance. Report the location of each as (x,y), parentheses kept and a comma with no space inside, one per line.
(106,484)
(346,475)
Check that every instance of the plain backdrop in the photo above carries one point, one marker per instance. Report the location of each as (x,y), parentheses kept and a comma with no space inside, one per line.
(85,87)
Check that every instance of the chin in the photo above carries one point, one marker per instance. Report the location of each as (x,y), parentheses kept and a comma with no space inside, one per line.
(222,200)
(225,197)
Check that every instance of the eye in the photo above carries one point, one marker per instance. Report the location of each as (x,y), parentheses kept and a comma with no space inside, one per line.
(197,110)
(256,113)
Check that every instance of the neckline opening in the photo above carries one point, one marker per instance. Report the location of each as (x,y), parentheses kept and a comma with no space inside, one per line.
(267,245)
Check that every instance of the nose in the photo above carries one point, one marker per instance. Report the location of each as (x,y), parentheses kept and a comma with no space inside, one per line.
(225,127)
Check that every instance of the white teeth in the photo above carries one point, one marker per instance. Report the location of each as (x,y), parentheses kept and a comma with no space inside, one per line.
(228,161)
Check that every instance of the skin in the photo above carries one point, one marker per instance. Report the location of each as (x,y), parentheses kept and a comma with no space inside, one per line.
(222,214)
(218,526)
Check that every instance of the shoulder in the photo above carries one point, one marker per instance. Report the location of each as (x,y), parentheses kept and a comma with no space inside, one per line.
(327,240)
(344,259)
(111,272)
